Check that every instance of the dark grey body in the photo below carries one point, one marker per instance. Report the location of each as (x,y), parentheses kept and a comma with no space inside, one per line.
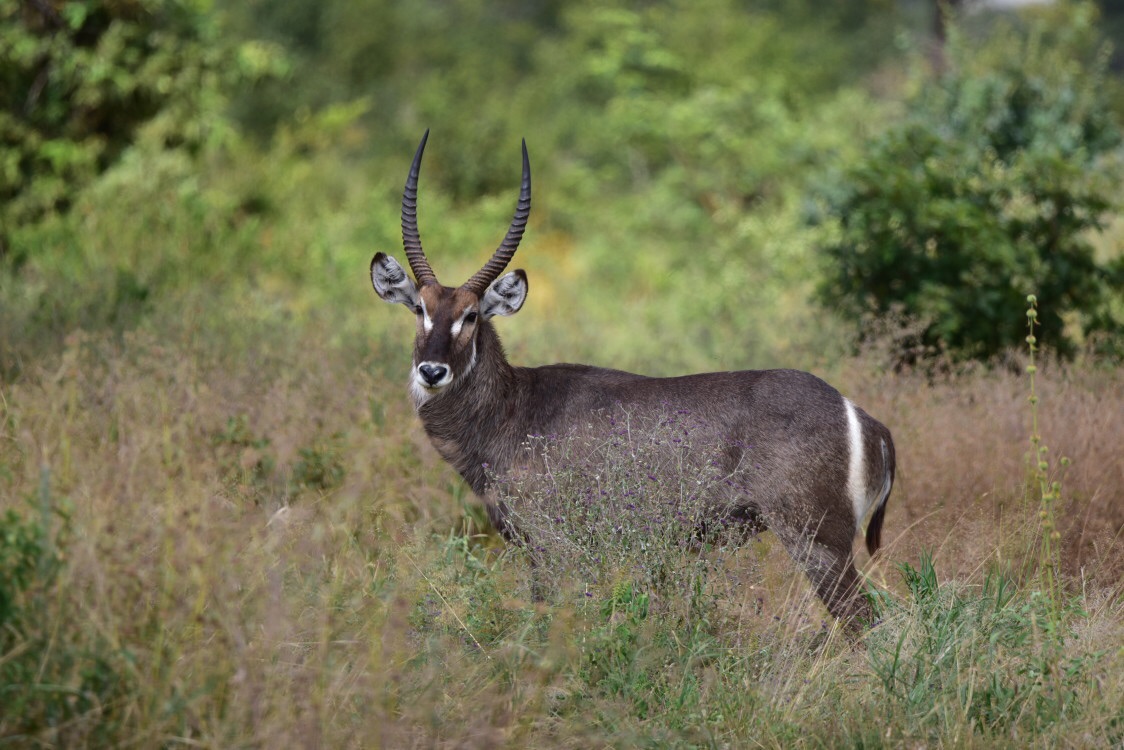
(820,464)
(794,425)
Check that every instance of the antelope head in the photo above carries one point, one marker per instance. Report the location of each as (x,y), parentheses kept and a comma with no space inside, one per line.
(449,319)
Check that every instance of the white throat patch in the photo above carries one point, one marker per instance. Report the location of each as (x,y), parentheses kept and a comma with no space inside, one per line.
(418,394)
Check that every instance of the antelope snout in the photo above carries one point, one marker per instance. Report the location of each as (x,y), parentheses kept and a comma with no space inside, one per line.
(434,375)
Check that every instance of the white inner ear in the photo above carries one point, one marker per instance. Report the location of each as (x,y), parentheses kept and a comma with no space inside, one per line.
(391,282)
(505,296)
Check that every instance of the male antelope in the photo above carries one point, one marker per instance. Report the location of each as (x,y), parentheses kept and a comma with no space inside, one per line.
(821,464)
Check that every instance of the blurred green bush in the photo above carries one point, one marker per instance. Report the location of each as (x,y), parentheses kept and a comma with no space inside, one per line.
(250,158)
(989,190)
(78,80)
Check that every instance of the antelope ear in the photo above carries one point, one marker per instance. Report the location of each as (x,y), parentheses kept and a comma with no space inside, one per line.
(391,282)
(505,296)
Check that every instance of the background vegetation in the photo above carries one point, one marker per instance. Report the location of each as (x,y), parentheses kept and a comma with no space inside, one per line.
(220,524)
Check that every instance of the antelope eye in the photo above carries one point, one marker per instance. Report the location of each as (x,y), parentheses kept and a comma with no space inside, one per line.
(470,318)
(417,310)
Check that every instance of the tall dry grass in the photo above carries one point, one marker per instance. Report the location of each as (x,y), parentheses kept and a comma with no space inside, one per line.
(259,549)
(965,488)
(220,571)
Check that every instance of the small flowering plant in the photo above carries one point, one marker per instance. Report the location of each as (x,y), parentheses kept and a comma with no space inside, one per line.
(643,498)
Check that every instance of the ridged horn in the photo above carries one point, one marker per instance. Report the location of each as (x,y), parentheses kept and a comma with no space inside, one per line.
(411,240)
(494,267)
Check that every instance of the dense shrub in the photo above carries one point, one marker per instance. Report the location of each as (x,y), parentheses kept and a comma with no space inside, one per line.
(78,81)
(986,192)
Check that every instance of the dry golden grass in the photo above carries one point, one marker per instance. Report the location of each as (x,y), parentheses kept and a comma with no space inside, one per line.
(963,445)
(263,551)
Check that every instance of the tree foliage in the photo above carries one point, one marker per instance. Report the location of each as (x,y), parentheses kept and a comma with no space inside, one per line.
(671,141)
(79,79)
(987,192)
(591,80)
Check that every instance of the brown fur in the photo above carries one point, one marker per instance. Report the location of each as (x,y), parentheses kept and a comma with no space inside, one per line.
(792,425)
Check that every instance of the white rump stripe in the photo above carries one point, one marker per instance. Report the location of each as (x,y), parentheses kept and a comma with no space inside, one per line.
(856,474)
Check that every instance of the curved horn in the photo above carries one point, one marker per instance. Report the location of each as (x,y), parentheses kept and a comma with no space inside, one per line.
(411,240)
(494,267)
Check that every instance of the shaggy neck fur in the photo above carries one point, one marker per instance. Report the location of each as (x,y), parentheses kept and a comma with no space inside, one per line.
(469,422)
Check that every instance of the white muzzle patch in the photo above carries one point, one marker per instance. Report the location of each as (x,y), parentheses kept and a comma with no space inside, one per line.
(423,388)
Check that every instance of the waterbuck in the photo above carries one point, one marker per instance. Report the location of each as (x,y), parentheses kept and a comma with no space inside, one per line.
(821,464)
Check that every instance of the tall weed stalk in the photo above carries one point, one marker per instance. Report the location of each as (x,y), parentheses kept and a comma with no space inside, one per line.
(1046,489)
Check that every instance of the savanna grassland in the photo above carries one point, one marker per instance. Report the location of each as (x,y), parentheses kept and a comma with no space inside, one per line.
(221,524)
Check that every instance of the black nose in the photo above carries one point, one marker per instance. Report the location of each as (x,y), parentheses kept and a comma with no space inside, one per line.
(432,374)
